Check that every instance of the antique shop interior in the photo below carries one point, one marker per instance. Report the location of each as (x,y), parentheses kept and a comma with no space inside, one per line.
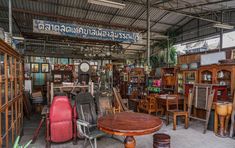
(117,73)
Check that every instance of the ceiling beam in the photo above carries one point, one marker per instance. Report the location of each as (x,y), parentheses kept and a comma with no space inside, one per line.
(80,8)
(72,19)
(58,55)
(176,11)
(204,4)
(159,19)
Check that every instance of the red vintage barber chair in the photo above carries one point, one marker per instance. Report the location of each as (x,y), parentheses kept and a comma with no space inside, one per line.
(61,121)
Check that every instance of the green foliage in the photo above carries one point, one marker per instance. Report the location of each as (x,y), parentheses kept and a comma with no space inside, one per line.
(172,55)
(160,59)
(16,144)
(157,60)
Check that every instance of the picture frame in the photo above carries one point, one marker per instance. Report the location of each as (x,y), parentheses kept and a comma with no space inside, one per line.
(45,67)
(27,68)
(94,69)
(35,67)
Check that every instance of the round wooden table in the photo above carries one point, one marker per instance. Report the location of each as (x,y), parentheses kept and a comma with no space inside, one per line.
(129,124)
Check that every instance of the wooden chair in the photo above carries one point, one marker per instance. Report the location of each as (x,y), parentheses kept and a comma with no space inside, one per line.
(134,95)
(159,108)
(149,105)
(172,100)
(118,102)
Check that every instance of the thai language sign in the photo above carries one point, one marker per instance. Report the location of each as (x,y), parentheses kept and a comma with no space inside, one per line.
(86,32)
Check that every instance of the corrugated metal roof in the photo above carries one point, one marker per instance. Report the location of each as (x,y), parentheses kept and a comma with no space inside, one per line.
(172,18)
(134,10)
(160,28)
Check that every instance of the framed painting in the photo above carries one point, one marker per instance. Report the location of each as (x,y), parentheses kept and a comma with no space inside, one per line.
(35,67)
(45,67)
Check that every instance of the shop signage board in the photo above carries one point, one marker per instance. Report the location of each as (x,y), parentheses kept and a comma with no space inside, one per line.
(86,32)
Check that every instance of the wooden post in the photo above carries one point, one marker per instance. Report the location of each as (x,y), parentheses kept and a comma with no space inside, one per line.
(52,91)
(6,96)
(1,107)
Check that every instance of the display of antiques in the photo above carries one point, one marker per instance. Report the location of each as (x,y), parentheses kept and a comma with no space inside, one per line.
(62,73)
(168,79)
(106,77)
(220,74)
(136,80)
(154,85)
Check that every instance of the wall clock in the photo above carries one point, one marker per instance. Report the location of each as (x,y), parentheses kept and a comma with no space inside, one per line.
(84,71)
(84,67)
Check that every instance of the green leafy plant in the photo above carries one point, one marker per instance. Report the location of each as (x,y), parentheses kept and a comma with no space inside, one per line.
(16,144)
(160,59)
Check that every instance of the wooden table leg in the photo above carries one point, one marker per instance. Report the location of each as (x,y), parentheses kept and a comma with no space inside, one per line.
(35,135)
(129,142)
(215,121)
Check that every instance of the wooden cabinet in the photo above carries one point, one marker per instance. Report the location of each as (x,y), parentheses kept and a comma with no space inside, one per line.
(123,84)
(186,77)
(137,80)
(219,74)
(168,79)
(11,94)
(207,74)
(180,82)
(225,75)
(190,76)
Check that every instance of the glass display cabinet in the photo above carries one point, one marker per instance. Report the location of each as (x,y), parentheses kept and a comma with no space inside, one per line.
(11,95)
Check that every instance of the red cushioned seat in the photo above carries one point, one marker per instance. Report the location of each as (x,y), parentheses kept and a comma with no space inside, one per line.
(60,121)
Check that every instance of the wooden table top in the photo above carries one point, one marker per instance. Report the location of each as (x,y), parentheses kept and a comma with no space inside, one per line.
(129,124)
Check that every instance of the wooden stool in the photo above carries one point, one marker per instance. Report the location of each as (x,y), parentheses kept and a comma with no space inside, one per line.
(224,111)
(161,141)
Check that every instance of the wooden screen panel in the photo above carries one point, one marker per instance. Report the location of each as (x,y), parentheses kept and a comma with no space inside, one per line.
(201,93)
(201,101)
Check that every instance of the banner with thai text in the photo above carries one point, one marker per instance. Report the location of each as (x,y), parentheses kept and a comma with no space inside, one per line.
(86,32)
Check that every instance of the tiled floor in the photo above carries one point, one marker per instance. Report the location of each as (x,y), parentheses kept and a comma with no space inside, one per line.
(181,138)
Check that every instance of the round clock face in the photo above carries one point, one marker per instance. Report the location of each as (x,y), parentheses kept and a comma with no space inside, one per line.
(84,67)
